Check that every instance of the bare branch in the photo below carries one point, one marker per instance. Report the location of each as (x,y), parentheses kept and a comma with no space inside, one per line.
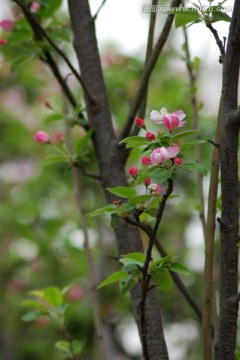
(147,72)
(218,41)
(99,9)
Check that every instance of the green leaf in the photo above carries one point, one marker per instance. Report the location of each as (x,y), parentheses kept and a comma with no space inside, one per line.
(37,293)
(123,191)
(134,141)
(31,316)
(59,34)
(161,175)
(185,18)
(77,346)
(83,141)
(142,199)
(194,167)
(110,209)
(127,284)
(163,279)
(160,263)
(51,120)
(54,159)
(64,346)
(184,134)
(53,296)
(34,304)
(192,144)
(117,276)
(179,268)
(114,220)
(135,256)
(219,15)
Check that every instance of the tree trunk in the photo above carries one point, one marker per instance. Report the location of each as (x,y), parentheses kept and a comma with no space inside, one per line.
(111,158)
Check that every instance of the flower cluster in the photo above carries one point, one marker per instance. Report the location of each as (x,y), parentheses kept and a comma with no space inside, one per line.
(159,153)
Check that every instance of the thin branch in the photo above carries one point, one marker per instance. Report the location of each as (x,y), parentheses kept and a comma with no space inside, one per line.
(88,253)
(147,73)
(214,143)
(38,29)
(209,295)
(142,109)
(145,277)
(99,9)
(218,41)
(176,278)
(194,102)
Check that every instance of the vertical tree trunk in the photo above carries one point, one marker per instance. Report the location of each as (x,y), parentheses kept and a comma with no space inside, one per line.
(111,157)
(226,344)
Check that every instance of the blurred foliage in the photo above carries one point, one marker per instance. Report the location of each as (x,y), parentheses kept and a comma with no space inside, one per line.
(40,240)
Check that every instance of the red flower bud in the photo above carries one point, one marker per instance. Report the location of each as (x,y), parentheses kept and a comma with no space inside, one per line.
(147,181)
(178,161)
(133,171)
(150,136)
(146,160)
(140,122)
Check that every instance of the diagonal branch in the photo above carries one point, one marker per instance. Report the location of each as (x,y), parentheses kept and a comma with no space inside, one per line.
(147,72)
(99,9)
(41,34)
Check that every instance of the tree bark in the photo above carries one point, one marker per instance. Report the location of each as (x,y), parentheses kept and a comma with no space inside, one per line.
(111,158)
(226,344)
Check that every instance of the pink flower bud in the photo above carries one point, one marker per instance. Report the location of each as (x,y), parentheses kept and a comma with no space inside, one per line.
(140,122)
(155,188)
(178,161)
(147,181)
(146,160)
(3,42)
(7,25)
(41,137)
(150,136)
(59,137)
(35,6)
(47,104)
(133,171)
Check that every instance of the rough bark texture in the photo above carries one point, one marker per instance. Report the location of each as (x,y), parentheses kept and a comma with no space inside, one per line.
(230,194)
(110,156)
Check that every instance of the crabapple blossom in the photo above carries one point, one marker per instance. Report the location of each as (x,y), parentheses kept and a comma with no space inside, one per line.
(150,136)
(178,161)
(41,137)
(146,160)
(162,154)
(140,122)
(133,171)
(169,120)
(3,42)
(7,25)
(59,137)
(35,6)
(147,181)
(155,188)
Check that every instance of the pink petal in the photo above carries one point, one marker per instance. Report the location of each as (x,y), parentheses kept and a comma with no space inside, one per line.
(170,122)
(180,114)
(181,123)
(173,151)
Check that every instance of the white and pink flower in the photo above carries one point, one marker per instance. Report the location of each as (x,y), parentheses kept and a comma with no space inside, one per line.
(169,120)
(41,137)
(154,188)
(162,154)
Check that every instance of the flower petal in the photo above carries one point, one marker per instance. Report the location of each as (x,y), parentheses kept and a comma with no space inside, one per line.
(180,114)
(156,117)
(173,151)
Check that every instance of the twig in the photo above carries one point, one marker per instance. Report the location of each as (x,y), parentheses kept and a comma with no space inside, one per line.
(194,102)
(36,26)
(218,41)
(90,261)
(214,143)
(142,108)
(147,73)
(99,9)
(209,252)
(145,277)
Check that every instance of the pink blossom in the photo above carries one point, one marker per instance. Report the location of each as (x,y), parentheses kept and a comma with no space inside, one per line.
(146,160)
(7,25)
(162,154)
(59,137)
(3,42)
(140,122)
(133,171)
(35,6)
(41,137)
(150,136)
(76,293)
(169,120)
(147,181)
(155,188)
(178,161)
(47,104)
